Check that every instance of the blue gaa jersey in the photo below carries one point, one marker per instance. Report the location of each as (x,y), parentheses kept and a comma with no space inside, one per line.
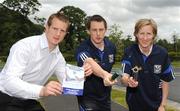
(94,88)
(151,71)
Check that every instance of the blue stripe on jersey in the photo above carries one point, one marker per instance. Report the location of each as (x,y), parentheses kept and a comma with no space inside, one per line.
(126,62)
(169,70)
(126,66)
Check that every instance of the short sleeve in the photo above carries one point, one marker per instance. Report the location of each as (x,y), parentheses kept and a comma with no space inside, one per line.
(126,63)
(167,72)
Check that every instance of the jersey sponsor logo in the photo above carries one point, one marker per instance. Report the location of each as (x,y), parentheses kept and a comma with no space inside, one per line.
(157,69)
(111,58)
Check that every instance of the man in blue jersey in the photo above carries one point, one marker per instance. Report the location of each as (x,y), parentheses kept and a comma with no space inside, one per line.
(146,70)
(96,95)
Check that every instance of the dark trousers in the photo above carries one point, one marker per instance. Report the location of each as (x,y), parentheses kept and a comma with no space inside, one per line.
(8,103)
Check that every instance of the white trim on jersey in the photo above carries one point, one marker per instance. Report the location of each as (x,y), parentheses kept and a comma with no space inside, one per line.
(83,56)
(123,67)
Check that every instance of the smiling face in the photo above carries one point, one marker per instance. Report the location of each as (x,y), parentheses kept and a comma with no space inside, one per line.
(145,37)
(56,32)
(145,31)
(97,32)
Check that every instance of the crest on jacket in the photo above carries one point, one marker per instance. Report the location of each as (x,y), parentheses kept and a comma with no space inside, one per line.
(111,58)
(157,69)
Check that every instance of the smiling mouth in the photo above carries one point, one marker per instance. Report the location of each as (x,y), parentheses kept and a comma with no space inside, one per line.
(98,38)
(56,38)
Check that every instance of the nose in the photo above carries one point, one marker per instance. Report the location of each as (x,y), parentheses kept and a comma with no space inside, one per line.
(97,32)
(146,36)
(58,33)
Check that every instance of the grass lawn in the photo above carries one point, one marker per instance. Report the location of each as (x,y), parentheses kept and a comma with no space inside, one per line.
(118,96)
(176,64)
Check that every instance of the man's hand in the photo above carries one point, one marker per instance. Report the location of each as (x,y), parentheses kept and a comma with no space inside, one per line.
(52,88)
(87,69)
(161,108)
(107,79)
(132,83)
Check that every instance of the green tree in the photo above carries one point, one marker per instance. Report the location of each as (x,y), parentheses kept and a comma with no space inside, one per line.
(175,41)
(14,26)
(164,43)
(39,20)
(127,41)
(116,35)
(25,7)
(178,44)
(77,30)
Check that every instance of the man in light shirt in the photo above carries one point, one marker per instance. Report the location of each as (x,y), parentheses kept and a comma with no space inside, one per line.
(30,63)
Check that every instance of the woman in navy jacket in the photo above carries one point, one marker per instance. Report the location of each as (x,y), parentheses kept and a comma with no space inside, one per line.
(146,70)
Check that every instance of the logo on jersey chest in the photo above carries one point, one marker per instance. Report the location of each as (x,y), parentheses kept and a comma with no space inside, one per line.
(111,58)
(157,69)
(136,69)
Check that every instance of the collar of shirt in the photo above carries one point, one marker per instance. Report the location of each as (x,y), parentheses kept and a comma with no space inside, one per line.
(96,48)
(148,52)
(44,44)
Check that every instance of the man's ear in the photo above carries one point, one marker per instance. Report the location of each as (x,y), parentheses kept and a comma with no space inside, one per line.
(88,32)
(46,27)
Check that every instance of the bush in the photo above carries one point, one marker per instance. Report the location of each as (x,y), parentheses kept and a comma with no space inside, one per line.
(3,58)
(174,56)
(69,57)
(118,58)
